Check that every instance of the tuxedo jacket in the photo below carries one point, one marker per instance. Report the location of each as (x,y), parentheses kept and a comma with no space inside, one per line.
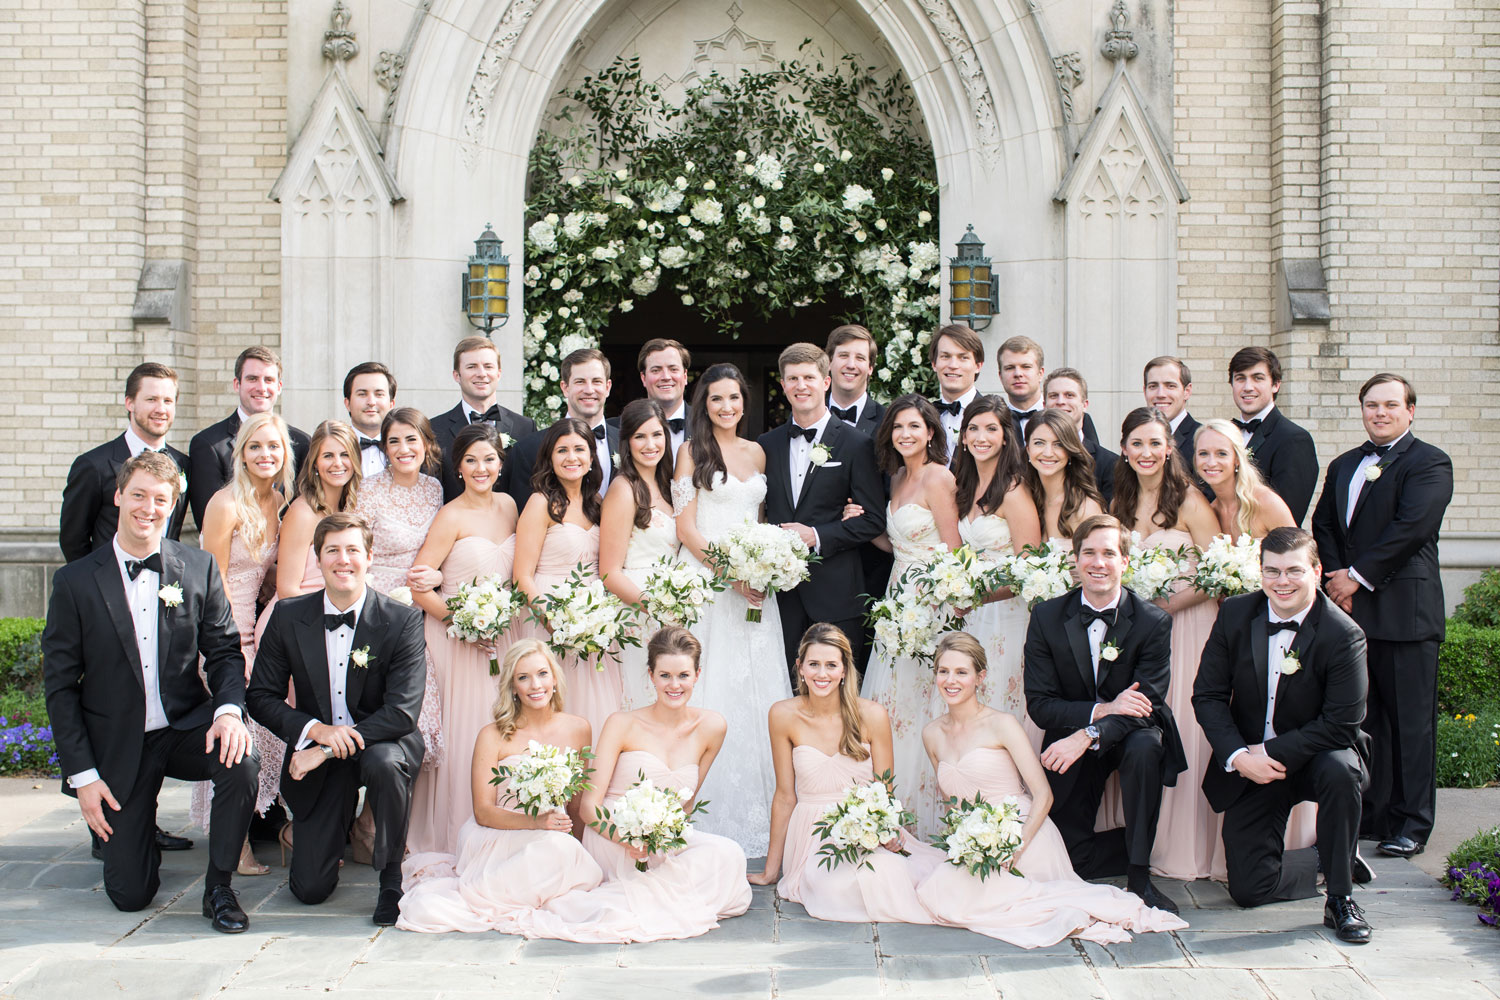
(520,465)
(1060,689)
(1318,708)
(869,417)
(1391,540)
(384,697)
(835,586)
(89,515)
(445,427)
(1287,458)
(1104,469)
(211,459)
(91,661)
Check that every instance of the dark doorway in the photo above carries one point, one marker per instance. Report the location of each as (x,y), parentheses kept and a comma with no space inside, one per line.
(753,352)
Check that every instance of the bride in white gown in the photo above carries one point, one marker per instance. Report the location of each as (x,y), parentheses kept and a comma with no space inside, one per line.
(721,484)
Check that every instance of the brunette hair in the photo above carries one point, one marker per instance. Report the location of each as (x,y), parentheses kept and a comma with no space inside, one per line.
(703,446)
(636,414)
(672,640)
(342,521)
(253,525)
(149,369)
(264,355)
(310,484)
(1078,476)
(468,437)
(655,344)
(1247,478)
(802,354)
(1093,524)
(583,356)
(1282,540)
(961,335)
(852,737)
(961,642)
(1384,377)
(1024,345)
(464,347)
(842,335)
(544,478)
(432,461)
(155,464)
(369,368)
(1175,482)
(937,446)
(1008,467)
(1248,357)
(507,707)
(1183,375)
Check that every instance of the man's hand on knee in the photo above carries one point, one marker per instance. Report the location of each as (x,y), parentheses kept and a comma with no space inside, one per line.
(91,801)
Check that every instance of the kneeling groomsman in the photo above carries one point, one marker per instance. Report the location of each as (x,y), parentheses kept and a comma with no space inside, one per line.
(1280,695)
(356,660)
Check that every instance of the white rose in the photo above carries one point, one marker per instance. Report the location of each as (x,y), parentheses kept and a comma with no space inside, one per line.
(1372,473)
(818,168)
(401,595)
(886,173)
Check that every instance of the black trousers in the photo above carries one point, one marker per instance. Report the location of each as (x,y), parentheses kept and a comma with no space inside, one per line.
(132,861)
(1401,718)
(1075,804)
(1260,870)
(320,827)
(795,621)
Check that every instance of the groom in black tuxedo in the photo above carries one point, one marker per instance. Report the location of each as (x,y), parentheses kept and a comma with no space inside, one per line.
(1280,694)
(356,660)
(1098,664)
(125,629)
(815,464)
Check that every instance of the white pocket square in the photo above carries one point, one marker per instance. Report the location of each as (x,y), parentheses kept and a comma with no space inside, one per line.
(830,465)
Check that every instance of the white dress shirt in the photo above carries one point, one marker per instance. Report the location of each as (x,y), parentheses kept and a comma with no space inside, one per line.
(601,446)
(136,445)
(1097,629)
(953,422)
(677,437)
(800,453)
(859,407)
(1357,484)
(372,459)
(1177,420)
(1245,435)
(337,645)
(1277,643)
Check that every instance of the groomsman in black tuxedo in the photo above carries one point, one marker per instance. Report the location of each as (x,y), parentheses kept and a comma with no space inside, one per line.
(1167,384)
(1280,694)
(852,352)
(957,355)
(1283,452)
(1023,373)
(585,388)
(126,627)
(369,394)
(356,661)
(1377,526)
(1098,663)
(476,370)
(1065,389)
(89,515)
(815,464)
(664,365)
(257,383)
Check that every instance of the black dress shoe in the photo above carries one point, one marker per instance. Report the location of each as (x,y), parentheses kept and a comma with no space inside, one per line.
(1400,847)
(171,842)
(1152,896)
(222,907)
(387,908)
(1363,873)
(1343,914)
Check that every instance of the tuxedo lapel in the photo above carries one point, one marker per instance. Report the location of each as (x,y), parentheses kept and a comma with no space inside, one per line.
(1304,640)
(371,623)
(171,573)
(1124,617)
(314,649)
(1078,641)
(112,589)
(1390,458)
(1267,426)
(1346,468)
(1259,638)
(777,461)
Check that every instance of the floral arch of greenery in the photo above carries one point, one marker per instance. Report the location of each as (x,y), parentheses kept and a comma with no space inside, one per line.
(766,193)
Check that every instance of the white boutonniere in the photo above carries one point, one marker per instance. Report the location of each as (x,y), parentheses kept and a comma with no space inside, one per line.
(506,440)
(1110,651)
(1373,472)
(1290,664)
(170,594)
(614,459)
(820,455)
(401,595)
(361,657)
(181,483)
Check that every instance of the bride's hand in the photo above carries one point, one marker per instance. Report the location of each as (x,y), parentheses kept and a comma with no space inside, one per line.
(767,877)
(755,597)
(853,510)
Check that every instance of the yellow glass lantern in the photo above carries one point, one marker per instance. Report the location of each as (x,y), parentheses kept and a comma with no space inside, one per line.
(973,295)
(486,283)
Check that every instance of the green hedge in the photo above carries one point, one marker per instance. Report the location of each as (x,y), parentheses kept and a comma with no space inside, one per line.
(1481,604)
(1468,749)
(1469,668)
(21,655)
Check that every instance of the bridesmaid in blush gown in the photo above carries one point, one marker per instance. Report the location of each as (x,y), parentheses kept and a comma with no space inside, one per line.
(824,741)
(473,536)
(558,530)
(978,751)
(637,529)
(1059,474)
(507,864)
(1155,497)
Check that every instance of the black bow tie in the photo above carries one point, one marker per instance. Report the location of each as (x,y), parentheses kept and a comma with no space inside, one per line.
(335,622)
(365,442)
(151,562)
(1108,616)
(1019,417)
(1371,448)
(676,424)
(953,409)
(807,433)
(492,415)
(600,432)
(1248,426)
(1274,626)
(848,416)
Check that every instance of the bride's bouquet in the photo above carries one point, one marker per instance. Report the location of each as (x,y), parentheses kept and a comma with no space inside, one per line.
(866,817)
(546,777)
(648,817)
(763,557)
(586,619)
(981,836)
(1152,571)
(1227,568)
(928,599)
(675,593)
(1040,572)
(482,610)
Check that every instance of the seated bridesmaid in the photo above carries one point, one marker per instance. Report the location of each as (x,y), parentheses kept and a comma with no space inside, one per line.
(824,740)
(688,891)
(978,750)
(508,863)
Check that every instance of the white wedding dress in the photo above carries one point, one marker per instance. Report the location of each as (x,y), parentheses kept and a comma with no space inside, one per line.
(647,547)
(744,674)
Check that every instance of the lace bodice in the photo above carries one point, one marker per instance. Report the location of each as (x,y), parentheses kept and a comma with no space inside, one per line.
(400,517)
(731,503)
(914,535)
(651,543)
(989,533)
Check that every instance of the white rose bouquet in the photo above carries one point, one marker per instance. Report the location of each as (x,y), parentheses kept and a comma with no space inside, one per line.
(763,557)
(1040,572)
(676,593)
(546,778)
(981,836)
(866,817)
(1227,567)
(929,598)
(482,610)
(586,619)
(1153,570)
(649,817)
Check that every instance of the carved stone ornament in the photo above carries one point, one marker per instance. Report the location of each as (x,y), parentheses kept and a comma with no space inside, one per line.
(487,76)
(1068,68)
(388,69)
(1120,44)
(976,86)
(338,41)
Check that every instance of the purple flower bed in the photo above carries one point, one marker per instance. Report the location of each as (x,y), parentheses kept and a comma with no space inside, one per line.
(1478,884)
(26,747)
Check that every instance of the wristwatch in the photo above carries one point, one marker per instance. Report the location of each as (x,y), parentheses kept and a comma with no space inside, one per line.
(1092,732)
(327,753)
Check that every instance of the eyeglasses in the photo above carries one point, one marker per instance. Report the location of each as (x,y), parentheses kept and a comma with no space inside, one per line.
(1296,574)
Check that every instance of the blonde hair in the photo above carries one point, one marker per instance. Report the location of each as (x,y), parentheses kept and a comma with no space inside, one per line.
(507,706)
(310,484)
(965,644)
(1247,478)
(254,527)
(852,739)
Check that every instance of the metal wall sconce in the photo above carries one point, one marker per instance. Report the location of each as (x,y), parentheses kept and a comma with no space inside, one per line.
(486,284)
(972,291)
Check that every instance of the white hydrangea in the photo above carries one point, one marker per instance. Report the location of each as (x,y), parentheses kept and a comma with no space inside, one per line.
(786,242)
(609,251)
(762,223)
(894,274)
(768,169)
(572,295)
(696,235)
(644,284)
(708,211)
(924,256)
(786,224)
(626,305)
(573,224)
(532,276)
(828,271)
(543,235)
(673,256)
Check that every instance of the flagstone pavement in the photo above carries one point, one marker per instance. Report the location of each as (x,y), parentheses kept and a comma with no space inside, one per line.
(60,937)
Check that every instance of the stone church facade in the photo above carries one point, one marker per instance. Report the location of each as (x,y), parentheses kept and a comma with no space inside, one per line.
(1150,176)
